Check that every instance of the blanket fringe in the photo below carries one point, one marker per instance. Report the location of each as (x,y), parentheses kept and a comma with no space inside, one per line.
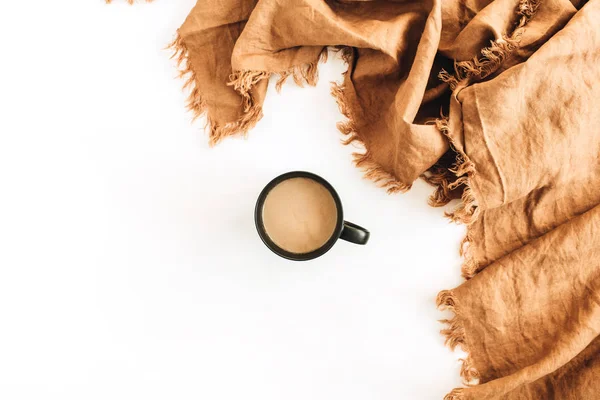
(463,169)
(465,73)
(242,82)
(305,73)
(454,332)
(492,57)
(456,337)
(180,53)
(460,174)
(197,105)
(365,161)
(440,178)
(526,11)
(470,267)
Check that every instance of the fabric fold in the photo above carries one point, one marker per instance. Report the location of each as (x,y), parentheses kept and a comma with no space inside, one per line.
(531,313)
(528,316)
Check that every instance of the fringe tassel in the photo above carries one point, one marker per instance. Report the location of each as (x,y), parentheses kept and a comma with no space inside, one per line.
(365,161)
(377,174)
(306,73)
(452,179)
(455,336)
(462,171)
(252,114)
(440,178)
(197,105)
(455,332)
(470,267)
(492,57)
(468,211)
(242,82)
(527,9)
(467,72)
(180,53)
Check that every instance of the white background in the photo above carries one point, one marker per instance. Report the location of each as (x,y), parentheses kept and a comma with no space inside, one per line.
(129,263)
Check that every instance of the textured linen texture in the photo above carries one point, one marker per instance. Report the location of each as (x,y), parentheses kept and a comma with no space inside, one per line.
(494,103)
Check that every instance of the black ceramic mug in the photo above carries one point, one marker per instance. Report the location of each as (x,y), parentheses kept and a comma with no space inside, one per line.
(343,229)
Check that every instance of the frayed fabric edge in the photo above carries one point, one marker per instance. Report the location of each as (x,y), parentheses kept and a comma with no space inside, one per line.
(365,160)
(459,175)
(466,73)
(242,82)
(493,56)
(463,169)
(440,178)
(470,266)
(196,104)
(455,336)
(245,80)
(446,180)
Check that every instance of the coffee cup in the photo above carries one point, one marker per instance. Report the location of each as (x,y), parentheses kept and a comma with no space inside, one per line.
(299,216)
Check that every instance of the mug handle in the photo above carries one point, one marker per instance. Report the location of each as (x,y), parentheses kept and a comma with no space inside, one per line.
(354,233)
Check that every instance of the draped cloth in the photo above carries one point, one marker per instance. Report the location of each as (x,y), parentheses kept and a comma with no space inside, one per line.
(494,103)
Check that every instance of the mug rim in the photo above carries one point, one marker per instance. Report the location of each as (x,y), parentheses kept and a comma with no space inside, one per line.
(258,218)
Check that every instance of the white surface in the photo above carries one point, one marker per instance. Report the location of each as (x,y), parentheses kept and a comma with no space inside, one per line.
(129,263)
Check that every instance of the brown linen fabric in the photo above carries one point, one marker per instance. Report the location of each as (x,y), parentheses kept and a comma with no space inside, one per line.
(517,141)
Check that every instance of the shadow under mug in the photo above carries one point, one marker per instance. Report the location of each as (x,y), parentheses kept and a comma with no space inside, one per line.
(343,230)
